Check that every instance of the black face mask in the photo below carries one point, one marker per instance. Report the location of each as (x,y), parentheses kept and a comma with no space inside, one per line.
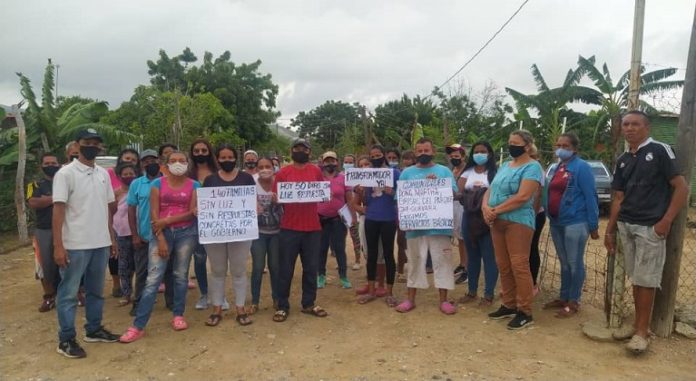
(377,163)
(50,171)
(424,159)
(228,166)
(250,164)
(200,159)
(456,162)
(89,152)
(300,157)
(152,169)
(516,151)
(330,168)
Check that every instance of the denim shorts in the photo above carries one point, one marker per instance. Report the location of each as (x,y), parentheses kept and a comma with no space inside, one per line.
(644,254)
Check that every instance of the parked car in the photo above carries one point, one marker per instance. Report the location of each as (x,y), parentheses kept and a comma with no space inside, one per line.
(106,162)
(602,178)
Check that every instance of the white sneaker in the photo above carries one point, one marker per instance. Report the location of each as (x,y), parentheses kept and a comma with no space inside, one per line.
(225,305)
(202,303)
(356,266)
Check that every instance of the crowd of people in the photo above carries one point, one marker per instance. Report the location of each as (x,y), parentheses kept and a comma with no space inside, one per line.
(138,219)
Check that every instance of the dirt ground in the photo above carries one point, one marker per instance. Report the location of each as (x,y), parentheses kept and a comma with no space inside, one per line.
(356,342)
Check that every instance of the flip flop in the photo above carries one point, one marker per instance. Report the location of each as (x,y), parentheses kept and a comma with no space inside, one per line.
(366,298)
(315,311)
(405,306)
(280,316)
(391,301)
(213,320)
(243,319)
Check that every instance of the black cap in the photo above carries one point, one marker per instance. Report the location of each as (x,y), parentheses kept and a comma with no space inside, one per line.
(301,142)
(89,133)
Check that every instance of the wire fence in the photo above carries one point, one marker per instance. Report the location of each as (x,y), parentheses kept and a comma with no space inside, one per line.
(618,306)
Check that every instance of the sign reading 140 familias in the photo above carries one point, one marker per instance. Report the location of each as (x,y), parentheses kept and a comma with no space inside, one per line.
(227,214)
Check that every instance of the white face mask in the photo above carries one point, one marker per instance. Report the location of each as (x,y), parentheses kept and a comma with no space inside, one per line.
(265,173)
(177,169)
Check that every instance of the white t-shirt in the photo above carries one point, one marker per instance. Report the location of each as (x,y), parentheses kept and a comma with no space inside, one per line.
(474,179)
(86,192)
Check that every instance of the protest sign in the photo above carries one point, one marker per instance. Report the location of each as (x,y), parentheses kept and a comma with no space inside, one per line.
(425,204)
(227,214)
(370,177)
(304,191)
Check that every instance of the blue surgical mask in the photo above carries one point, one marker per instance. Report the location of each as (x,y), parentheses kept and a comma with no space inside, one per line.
(394,164)
(348,165)
(481,158)
(564,154)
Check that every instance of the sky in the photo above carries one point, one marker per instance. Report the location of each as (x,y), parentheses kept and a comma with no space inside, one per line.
(355,51)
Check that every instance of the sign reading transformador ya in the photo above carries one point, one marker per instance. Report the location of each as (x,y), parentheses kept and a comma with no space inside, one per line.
(425,204)
(304,191)
(227,214)
(370,177)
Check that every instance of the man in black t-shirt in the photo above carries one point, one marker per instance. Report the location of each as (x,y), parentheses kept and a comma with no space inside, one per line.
(648,194)
(39,197)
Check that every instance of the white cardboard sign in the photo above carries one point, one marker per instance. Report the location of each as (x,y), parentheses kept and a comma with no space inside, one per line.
(304,191)
(370,177)
(227,214)
(425,204)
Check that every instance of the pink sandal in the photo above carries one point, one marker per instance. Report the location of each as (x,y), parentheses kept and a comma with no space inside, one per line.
(179,323)
(131,335)
(380,292)
(362,290)
(448,308)
(405,306)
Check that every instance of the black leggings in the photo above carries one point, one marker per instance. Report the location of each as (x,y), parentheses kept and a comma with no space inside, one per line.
(374,231)
(534,258)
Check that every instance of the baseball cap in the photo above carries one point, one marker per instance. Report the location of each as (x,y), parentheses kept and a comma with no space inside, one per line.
(148,153)
(454,147)
(301,142)
(89,133)
(329,154)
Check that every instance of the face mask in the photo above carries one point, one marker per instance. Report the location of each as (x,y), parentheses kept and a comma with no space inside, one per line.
(73,157)
(50,171)
(200,159)
(177,169)
(516,151)
(377,163)
(330,168)
(250,164)
(265,173)
(152,169)
(348,165)
(424,159)
(127,180)
(394,164)
(456,162)
(564,154)
(481,158)
(89,152)
(300,157)
(276,169)
(228,166)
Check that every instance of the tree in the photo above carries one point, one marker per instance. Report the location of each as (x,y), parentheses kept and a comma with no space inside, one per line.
(396,120)
(326,124)
(613,97)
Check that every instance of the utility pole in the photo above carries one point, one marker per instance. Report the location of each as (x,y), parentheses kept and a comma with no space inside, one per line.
(665,298)
(636,55)
(21,168)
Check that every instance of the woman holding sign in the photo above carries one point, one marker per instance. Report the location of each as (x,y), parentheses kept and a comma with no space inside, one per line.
(508,208)
(380,224)
(172,207)
(232,255)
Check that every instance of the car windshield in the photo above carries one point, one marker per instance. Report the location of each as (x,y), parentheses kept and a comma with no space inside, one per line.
(598,169)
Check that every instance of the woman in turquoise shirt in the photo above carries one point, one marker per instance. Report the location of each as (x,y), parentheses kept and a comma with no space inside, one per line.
(508,207)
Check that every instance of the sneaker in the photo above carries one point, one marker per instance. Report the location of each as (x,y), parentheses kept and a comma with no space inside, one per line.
(637,345)
(321,281)
(463,278)
(71,349)
(520,321)
(202,303)
(624,333)
(502,313)
(345,283)
(47,305)
(225,305)
(131,335)
(101,336)
(459,270)
(356,266)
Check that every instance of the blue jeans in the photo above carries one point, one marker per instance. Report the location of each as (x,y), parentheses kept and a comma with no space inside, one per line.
(265,245)
(180,242)
(570,244)
(480,250)
(89,264)
(333,233)
(200,258)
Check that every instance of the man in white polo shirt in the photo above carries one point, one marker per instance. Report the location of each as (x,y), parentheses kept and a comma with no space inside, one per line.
(83,202)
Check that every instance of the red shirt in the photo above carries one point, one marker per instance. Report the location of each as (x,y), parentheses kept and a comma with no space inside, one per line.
(299,216)
(557,187)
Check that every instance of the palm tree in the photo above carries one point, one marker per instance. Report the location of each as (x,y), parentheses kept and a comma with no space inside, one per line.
(613,97)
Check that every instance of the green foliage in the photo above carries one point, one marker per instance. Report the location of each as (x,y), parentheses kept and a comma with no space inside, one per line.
(326,124)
